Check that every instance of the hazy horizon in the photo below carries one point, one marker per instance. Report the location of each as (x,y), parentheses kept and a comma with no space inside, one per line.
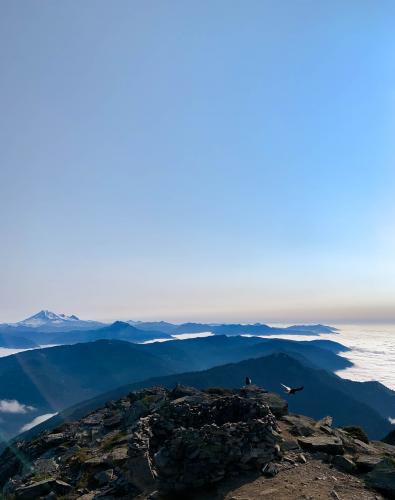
(270,320)
(211,161)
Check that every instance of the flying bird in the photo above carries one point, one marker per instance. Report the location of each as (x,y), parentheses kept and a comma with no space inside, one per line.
(291,390)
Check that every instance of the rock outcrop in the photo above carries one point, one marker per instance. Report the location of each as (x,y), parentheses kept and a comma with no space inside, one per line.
(152,439)
(179,441)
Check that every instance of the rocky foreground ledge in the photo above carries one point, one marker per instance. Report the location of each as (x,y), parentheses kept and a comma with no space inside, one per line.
(208,444)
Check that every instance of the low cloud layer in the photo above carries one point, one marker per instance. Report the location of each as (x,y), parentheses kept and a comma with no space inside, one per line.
(36,421)
(14,406)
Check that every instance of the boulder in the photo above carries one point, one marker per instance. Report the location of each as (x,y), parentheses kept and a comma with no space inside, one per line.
(93,419)
(113,420)
(300,425)
(45,467)
(344,463)
(55,439)
(41,488)
(180,391)
(270,470)
(289,445)
(96,462)
(327,444)
(104,476)
(382,477)
(366,463)
(326,421)
(118,455)
(278,406)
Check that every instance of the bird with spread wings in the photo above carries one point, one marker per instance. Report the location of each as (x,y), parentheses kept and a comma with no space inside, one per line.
(291,390)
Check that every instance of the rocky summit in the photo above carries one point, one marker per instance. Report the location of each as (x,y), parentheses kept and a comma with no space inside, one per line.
(187,443)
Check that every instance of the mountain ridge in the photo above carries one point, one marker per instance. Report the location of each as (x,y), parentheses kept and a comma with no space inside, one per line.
(55,378)
(268,371)
(49,321)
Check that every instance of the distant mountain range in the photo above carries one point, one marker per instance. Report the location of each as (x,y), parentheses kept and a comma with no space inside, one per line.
(50,380)
(232,329)
(119,330)
(34,337)
(46,327)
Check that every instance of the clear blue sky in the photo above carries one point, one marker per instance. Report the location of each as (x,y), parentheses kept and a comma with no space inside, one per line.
(205,160)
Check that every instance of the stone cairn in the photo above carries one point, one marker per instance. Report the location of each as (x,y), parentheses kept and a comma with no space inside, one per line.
(197,439)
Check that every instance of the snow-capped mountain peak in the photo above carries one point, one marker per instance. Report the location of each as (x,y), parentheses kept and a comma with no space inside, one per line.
(49,321)
(46,317)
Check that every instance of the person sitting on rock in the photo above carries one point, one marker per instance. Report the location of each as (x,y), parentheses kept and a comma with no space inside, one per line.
(248,381)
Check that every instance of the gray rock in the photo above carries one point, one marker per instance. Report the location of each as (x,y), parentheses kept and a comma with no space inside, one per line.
(300,425)
(105,476)
(88,496)
(141,472)
(41,488)
(45,467)
(118,455)
(270,470)
(51,496)
(278,406)
(290,445)
(344,463)
(320,455)
(326,421)
(327,430)
(93,419)
(327,444)
(56,438)
(366,463)
(96,462)
(382,477)
(181,391)
(113,421)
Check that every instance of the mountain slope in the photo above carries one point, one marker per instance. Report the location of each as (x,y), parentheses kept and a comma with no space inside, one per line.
(198,354)
(54,378)
(16,342)
(324,393)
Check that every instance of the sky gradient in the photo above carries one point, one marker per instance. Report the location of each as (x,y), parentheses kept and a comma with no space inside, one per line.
(211,160)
